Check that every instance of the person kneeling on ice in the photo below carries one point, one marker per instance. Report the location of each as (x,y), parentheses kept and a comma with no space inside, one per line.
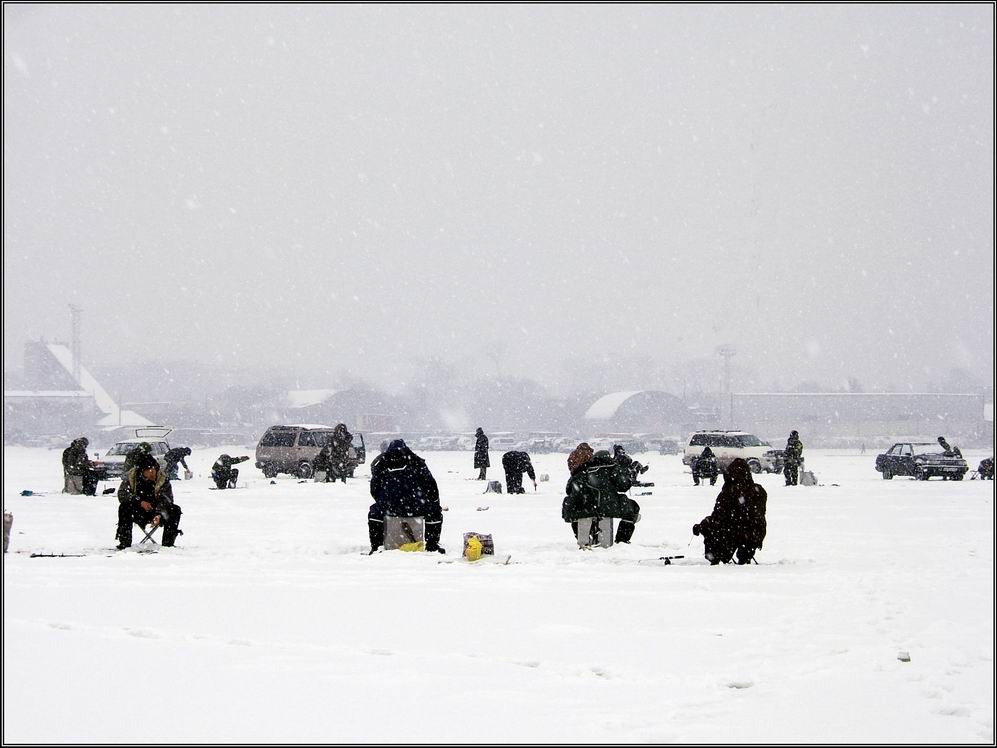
(146,497)
(986,469)
(222,472)
(595,489)
(737,524)
(403,486)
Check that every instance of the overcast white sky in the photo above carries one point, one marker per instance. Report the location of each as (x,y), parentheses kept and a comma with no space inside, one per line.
(346,187)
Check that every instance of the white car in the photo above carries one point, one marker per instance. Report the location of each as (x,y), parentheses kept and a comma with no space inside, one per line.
(502,444)
(728,446)
(111,465)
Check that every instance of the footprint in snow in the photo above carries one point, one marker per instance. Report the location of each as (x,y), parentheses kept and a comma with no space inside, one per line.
(142,633)
(740,684)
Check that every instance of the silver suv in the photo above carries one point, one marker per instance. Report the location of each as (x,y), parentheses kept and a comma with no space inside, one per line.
(293,449)
(728,445)
(112,465)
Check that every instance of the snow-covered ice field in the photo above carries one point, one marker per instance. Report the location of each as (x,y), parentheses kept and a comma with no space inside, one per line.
(267,624)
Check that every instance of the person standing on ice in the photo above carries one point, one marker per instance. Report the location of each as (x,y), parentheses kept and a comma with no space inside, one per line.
(737,524)
(402,485)
(339,453)
(794,458)
(146,497)
(76,468)
(481,453)
(222,472)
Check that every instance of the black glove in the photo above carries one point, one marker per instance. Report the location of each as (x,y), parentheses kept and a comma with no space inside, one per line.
(696,529)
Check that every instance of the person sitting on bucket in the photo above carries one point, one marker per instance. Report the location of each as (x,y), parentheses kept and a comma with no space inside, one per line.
(705,466)
(596,489)
(402,485)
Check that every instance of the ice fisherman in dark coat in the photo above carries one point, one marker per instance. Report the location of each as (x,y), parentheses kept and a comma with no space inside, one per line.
(705,466)
(146,497)
(515,463)
(737,524)
(793,459)
(596,489)
(481,453)
(77,469)
(403,486)
(222,472)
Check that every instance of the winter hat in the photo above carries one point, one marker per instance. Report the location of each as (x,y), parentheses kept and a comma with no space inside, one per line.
(145,462)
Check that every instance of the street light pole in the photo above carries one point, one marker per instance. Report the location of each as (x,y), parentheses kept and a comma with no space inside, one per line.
(727,352)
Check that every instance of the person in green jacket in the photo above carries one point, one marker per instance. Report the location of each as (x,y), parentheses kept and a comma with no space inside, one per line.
(146,497)
(222,472)
(794,458)
(596,489)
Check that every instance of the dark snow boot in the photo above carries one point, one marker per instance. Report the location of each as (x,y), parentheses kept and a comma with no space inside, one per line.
(124,532)
(375,530)
(433,530)
(624,531)
(171,525)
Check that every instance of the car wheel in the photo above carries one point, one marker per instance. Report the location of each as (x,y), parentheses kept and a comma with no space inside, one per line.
(270,471)
(755,465)
(919,474)
(958,476)
(305,470)
(887,475)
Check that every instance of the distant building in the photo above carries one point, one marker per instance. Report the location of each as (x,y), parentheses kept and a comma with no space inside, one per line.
(639,411)
(55,395)
(832,415)
(360,410)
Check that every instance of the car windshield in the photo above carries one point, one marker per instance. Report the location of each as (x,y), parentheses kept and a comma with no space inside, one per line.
(749,440)
(122,448)
(928,449)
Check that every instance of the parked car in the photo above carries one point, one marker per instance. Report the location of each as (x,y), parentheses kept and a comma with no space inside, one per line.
(293,449)
(111,465)
(502,443)
(777,459)
(437,443)
(566,443)
(664,446)
(920,460)
(729,445)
